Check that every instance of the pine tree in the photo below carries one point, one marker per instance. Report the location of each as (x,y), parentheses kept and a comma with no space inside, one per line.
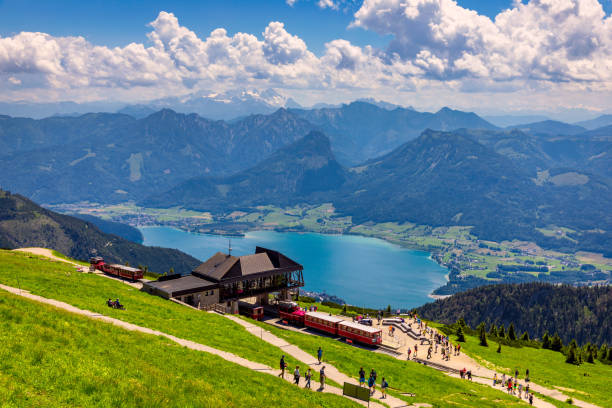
(502,331)
(493,331)
(525,336)
(460,335)
(603,352)
(572,357)
(499,348)
(545,341)
(609,358)
(483,336)
(511,333)
(590,358)
(556,343)
(461,322)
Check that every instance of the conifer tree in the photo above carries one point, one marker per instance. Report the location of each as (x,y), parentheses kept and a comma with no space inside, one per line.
(603,352)
(556,343)
(545,341)
(590,357)
(525,336)
(502,331)
(461,322)
(499,348)
(493,330)
(511,333)
(572,354)
(483,336)
(460,335)
(609,358)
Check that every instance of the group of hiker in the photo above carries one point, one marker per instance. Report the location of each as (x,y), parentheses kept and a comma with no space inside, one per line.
(512,385)
(114,304)
(307,374)
(372,382)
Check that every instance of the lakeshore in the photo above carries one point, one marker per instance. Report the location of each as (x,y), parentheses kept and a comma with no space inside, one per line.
(366,272)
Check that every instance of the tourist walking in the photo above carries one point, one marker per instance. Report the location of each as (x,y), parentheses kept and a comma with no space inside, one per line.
(520,388)
(307,377)
(495,379)
(322,375)
(296,375)
(530,399)
(409,352)
(319,354)
(371,383)
(361,376)
(527,375)
(282,367)
(383,387)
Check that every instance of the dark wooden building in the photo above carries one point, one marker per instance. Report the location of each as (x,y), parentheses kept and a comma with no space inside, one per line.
(225,279)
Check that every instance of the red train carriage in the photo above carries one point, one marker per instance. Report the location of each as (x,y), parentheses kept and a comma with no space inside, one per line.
(322,321)
(255,312)
(122,271)
(290,312)
(360,332)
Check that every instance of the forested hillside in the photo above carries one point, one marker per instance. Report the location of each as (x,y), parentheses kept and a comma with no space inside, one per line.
(580,313)
(25,224)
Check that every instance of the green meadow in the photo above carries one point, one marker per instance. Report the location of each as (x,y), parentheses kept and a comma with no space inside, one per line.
(52,358)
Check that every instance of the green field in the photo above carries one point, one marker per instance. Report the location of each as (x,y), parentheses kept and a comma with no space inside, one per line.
(52,358)
(587,382)
(428,385)
(59,281)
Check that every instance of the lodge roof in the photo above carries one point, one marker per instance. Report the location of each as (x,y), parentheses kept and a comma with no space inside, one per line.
(183,285)
(227,268)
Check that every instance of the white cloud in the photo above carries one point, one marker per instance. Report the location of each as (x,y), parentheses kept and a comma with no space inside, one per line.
(437,48)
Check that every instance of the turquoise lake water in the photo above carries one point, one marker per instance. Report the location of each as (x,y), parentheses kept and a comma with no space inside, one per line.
(363,271)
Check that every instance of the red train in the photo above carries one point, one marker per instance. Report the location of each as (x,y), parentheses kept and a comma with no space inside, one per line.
(291,313)
(250,310)
(122,271)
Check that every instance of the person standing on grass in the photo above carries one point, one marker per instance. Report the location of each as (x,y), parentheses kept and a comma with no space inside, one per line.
(361,377)
(527,375)
(383,387)
(322,377)
(296,375)
(319,354)
(282,367)
(307,377)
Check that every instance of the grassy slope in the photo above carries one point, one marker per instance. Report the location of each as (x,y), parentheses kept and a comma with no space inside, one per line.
(53,358)
(87,291)
(547,368)
(429,385)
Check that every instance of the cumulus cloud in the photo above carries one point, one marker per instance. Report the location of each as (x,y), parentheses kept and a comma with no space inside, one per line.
(553,40)
(436,46)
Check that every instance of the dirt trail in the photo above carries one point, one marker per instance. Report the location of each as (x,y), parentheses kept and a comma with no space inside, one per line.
(183,342)
(46,253)
(49,254)
(300,355)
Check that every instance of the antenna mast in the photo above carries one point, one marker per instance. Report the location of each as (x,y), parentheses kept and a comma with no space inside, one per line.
(230,246)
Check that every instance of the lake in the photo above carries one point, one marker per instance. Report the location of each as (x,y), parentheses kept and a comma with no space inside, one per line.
(367,272)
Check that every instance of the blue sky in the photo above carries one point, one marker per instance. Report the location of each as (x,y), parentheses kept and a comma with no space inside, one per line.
(117,23)
(408,52)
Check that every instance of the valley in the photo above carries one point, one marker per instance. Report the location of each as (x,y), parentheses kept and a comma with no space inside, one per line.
(472,262)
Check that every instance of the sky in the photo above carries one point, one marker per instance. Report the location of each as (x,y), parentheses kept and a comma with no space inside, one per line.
(494,56)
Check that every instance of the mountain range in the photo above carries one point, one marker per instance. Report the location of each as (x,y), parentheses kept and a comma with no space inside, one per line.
(25,224)
(440,178)
(372,163)
(116,157)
